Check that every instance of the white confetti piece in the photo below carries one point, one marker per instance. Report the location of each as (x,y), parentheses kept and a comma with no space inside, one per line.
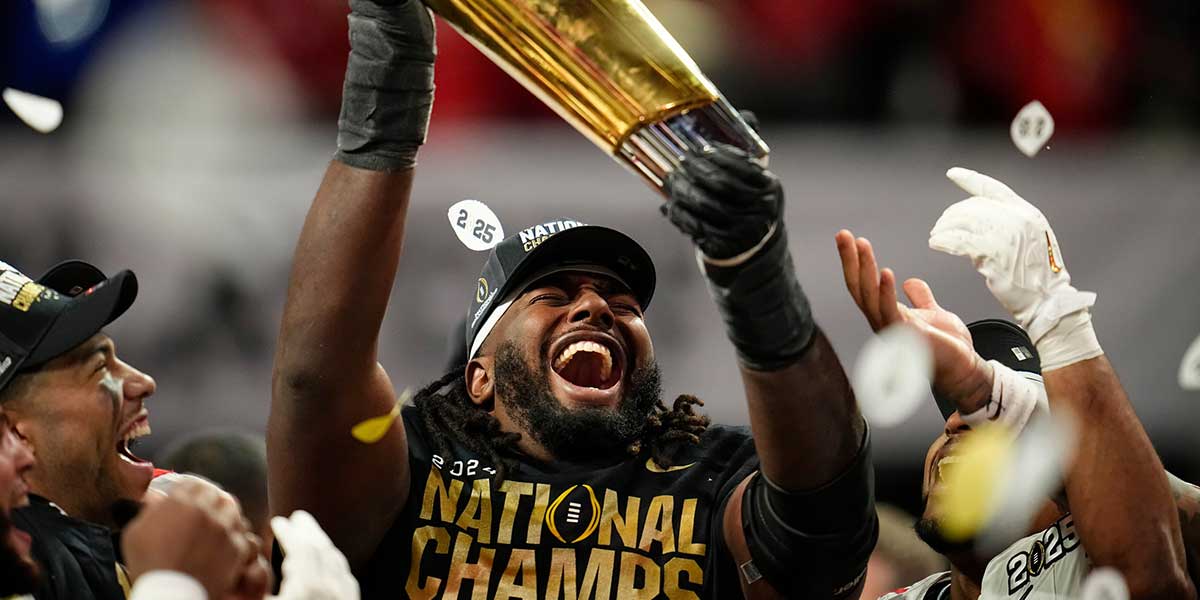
(1032,128)
(1104,583)
(476,226)
(1032,475)
(891,376)
(1189,369)
(42,114)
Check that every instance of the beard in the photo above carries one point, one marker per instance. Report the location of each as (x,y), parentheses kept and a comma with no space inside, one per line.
(580,433)
(18,574)
(931,534)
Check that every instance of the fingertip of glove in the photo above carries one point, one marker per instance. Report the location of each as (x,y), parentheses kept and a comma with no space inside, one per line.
(957,173)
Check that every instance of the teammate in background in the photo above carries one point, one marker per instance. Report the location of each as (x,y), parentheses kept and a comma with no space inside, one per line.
(19,573)
(549,465)
(1117,509)
(193,541)
(65,393)
(235,461)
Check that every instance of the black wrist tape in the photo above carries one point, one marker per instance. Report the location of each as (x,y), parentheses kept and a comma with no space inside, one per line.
(388,92)
(766,313)
(831,531)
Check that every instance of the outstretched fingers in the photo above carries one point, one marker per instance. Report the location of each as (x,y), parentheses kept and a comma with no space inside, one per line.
(978,184)
(919,294)
(848,252)
(890,309)
(868,282)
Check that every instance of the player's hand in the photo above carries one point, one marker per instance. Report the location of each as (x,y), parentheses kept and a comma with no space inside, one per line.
(197,530)
(254,579)
(724,200)
(313,568)
(874,291)
(1012,245)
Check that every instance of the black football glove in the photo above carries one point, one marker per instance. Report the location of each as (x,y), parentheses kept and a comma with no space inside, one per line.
(732,208)
(724,200)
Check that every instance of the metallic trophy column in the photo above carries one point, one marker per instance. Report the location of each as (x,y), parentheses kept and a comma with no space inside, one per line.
(612,71)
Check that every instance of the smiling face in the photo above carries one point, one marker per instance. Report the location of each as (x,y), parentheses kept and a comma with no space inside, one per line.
(938,458)
(79,414)
(572,353)
(18,572)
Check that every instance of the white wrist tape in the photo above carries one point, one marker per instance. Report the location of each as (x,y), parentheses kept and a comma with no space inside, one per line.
(1070,341)
(167,585)
(1062,304)
(739,259)
(1016,396)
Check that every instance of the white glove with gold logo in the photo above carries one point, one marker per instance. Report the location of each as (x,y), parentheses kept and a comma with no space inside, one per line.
(1012,245)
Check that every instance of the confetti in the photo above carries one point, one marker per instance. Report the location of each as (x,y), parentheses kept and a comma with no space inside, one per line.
(972,481)
(42,114)
(1039,460)
(1189,369)
(891,377)
(1032,128)
(1104,583)
(476,226)
(372,430)
(994,489)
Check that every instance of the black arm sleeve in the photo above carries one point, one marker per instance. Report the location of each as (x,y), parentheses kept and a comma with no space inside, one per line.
(813,544)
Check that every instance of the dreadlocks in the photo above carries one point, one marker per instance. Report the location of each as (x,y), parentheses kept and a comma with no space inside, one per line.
(450,417)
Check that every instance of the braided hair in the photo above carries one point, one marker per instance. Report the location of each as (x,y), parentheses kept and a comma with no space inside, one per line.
(449,415)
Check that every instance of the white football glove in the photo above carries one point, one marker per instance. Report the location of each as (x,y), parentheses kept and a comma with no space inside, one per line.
(313,568)
(1012,245)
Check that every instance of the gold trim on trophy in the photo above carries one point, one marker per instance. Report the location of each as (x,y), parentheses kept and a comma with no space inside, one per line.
(611,70)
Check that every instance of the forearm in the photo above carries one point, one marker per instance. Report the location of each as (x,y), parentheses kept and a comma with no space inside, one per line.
(806,425)
(342,275)
(1118,490)
(326,378)
(1187,502)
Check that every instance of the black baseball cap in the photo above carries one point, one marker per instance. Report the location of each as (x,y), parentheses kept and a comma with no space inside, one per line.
(561,244)
(44,319)
(1004,342)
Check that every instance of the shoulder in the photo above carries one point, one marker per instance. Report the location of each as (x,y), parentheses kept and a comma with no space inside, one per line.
(926,589)
(726,443)
(416,434)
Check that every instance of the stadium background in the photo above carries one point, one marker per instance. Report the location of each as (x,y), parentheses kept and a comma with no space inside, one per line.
(196,134)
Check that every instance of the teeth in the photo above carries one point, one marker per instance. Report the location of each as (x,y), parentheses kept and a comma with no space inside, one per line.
(140,430)
(947,461)
(585,346)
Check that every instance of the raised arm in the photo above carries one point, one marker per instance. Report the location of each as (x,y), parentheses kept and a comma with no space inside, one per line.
(813,501)
(1119,494)
(326,378)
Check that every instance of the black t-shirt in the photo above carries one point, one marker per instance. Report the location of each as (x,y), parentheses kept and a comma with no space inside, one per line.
(78,559)
(627,529)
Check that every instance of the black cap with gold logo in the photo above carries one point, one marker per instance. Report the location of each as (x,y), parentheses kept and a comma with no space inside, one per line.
(562,244)
(43,319)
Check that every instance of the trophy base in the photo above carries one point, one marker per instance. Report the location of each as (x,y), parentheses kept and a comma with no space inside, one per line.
(654,150)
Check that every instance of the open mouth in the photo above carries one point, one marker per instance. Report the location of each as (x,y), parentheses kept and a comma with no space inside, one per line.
(944,466)
(138,429)
(590,360)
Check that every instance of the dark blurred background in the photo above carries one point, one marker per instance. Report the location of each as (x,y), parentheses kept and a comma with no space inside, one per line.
(196,133)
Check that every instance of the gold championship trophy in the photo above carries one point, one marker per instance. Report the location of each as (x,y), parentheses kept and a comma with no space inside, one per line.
(612,71)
